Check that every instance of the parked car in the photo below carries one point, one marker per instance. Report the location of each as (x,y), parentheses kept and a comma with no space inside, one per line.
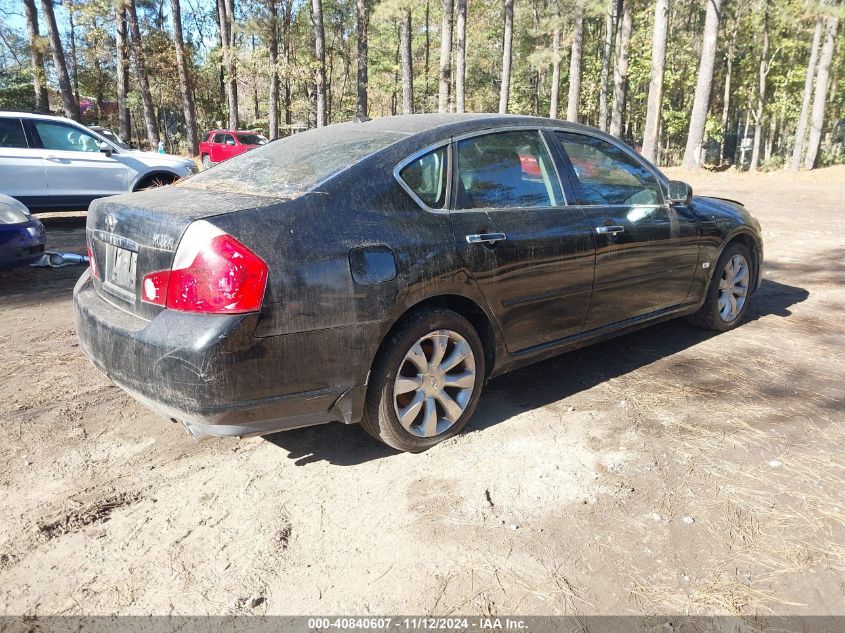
(21,235)
(380,272)
(222,145)
(53,163)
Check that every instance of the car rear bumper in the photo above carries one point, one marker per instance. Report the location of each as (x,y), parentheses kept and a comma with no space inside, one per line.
(21,244)
(212,374)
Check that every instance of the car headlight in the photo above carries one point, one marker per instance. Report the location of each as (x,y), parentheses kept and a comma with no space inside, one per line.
(13,212)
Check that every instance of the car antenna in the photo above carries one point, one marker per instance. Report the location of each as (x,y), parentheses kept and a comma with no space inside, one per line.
(362,118)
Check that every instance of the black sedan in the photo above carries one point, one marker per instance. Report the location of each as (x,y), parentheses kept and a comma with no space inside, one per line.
(380,272)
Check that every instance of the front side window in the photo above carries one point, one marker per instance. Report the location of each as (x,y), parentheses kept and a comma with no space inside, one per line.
(505,170)
(426,176)
(67,138)
(11,133)
(606,174)
(230,140)
(218,138)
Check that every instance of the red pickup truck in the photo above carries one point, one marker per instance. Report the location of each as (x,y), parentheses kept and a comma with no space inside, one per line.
(222,144)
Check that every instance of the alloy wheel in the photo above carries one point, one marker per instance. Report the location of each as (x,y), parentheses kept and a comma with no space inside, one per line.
(733,288)
(434,384)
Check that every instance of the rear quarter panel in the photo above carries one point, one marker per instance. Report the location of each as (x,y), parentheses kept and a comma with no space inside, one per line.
(307,242)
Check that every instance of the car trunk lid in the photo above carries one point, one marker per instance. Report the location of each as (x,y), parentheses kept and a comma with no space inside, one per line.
(135,234)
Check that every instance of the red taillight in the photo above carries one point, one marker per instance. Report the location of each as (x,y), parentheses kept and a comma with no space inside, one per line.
(212,272)
(93,262)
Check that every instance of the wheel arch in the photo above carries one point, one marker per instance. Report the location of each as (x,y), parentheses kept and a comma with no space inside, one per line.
(467,308)
(144,178)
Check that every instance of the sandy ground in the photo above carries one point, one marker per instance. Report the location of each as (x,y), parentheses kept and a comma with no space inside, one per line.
(666,471)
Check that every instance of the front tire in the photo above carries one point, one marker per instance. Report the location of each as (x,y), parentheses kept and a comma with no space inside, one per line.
(206,161)
(728,293)
(426,381)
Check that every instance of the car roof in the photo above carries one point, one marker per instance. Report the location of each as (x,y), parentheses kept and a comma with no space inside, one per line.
(442,125)
(416,123)
(37,115)
(222,131)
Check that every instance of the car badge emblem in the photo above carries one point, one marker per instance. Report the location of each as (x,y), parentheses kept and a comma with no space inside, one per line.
(111,222)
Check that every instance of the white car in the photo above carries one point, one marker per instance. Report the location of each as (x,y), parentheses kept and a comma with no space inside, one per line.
(54,164)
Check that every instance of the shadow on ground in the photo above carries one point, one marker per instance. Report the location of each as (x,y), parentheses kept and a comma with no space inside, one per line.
(541,384)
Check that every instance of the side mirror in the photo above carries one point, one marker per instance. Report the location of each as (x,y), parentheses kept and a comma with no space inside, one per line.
(106,149)
(678,192)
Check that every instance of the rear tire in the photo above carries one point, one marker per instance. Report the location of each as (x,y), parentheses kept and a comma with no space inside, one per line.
(728,292)
(425,382)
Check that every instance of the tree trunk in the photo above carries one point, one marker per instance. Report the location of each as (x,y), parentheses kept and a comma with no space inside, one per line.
(427,53)
(255,112)
(701,101)
(363,19)
(575,65)
(461,56)
(39,82)
(185,87)
(620,68)
(141,69)
(655,86)
(445,58)
(320,56)
(74,62)
(71,107)
(803,118)
(124,129)
(507,46)
(407,64)
(761,94)
(726,97)
(273,105)
(605,64)
(286,23)
(820,96)
(225,10)
(553,98)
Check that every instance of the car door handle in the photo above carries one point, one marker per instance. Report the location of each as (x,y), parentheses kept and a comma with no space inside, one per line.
(610,230)
(489,238)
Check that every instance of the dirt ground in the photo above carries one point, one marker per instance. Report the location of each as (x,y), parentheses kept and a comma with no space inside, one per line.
(668,471)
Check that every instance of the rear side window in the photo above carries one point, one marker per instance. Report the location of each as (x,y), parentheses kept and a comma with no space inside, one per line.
(293,165)
(505,170)
(230,140)
(11,133)
(426,176)
(251,139)
(606,174)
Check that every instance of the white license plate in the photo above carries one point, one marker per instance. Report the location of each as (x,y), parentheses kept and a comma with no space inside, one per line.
(121,271)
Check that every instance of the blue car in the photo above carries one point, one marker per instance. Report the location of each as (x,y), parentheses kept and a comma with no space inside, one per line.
(21,235)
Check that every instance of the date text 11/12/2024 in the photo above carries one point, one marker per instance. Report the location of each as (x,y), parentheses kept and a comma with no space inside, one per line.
(417,624)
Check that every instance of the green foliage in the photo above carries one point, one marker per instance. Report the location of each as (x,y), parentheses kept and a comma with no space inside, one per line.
(790,25)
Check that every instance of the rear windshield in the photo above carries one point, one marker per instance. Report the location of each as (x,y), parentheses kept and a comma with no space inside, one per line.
(292,165)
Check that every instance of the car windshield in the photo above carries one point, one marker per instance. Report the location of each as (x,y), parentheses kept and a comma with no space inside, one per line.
(114,138)
(292,165)
(251,139)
